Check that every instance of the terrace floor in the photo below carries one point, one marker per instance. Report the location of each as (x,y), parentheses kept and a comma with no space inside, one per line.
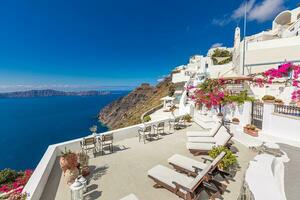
(118,174)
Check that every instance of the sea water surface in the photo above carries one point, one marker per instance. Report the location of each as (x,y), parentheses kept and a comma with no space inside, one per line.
(29,125)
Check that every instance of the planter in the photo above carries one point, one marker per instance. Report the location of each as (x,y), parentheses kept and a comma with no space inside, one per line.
(235,123)
(251,132)
(71,175)
(68,161)
(269,101)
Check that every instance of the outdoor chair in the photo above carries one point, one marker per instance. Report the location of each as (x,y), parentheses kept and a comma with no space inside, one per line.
(201,145)
(88,144)
(205,133)
(193,167)
(144,133)
(186,187)
(160,128)
(177,123)
(106,140)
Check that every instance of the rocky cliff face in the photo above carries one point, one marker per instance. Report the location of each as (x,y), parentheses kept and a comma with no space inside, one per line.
(127,110)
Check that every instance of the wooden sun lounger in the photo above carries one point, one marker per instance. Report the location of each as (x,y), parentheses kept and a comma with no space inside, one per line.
(193,167)
(185,187)
(205,133)
(198,147)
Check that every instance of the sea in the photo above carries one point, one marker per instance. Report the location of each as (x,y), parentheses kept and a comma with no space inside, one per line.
(29,125)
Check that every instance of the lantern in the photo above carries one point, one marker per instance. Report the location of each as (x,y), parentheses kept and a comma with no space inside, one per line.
(77,190)
(83,181)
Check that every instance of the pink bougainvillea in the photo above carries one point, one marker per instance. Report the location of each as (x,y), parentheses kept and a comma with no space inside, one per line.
(17,186)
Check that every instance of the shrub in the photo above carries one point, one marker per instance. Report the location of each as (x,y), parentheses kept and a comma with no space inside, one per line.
(251,127)
(8,176)
(229,159)
(147,118)
(235,120)
(268,97)
(278,101)
(187,118)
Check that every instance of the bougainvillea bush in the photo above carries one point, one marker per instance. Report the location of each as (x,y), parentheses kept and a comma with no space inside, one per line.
(13,183)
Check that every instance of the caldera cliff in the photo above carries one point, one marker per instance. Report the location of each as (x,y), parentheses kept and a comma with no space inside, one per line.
(127,110)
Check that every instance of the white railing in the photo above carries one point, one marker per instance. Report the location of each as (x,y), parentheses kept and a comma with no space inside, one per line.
(37,182)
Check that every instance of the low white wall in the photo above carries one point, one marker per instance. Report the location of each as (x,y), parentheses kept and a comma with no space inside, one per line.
(242,112)
(280,125)
(39,178)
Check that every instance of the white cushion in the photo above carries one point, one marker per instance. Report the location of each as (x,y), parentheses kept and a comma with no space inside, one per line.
(222,136)
(130,197)
(205,133)
(199,146)
(201,139)
(186,163)
(167,176)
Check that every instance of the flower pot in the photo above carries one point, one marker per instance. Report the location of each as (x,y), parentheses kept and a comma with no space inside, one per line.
(235,122)
(68,161)
(251,132)
(71,175)
(269,101)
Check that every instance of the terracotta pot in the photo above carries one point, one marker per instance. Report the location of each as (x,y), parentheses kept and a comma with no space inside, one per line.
(269,101)
(68,161)
(235,122)
(251,132)
(71,175)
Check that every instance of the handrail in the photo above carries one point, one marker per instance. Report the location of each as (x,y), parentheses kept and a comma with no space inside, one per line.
(287,110)
(152,110)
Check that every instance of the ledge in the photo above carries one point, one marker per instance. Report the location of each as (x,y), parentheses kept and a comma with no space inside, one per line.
(287,116)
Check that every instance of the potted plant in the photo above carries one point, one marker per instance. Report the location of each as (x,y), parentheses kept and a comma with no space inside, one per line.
(83,160)
(251,129)
(68,163)
(235,121)
(147,118)
(228,162)
(268,99)
(279,101)
(93,129)
(187,118)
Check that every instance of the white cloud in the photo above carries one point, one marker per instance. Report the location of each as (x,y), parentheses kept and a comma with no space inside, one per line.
(218,44)
(266,10)
(256,11)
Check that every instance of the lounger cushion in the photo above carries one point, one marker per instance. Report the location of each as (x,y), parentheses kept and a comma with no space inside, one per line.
(186,163)
(167,176)
(200,146)
(222,136)
(202,139)
(130,197)
(205,133)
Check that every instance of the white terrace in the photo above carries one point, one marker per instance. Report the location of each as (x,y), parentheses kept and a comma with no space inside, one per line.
(118,174)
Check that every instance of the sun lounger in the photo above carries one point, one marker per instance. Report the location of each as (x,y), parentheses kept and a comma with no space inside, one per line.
(130,197)
(222,132)
(202,146)
(192,167)
(185,187)
(205,132)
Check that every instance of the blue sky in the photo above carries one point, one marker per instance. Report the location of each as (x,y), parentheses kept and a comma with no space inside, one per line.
(96,43)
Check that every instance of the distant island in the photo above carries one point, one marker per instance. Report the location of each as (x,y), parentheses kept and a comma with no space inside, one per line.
(50,93)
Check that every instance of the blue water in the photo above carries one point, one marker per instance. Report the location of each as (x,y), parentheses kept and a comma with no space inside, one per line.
(29,125)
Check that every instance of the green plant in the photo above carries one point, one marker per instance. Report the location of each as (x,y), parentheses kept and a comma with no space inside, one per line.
(268,97)
(278,101)
(221,53)
(239,98)
(251,127)
(187,118)
(235,120)
(147,118)
(229,159)
(8,176)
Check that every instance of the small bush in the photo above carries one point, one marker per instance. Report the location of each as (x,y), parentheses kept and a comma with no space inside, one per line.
(278,101)
(187,118)
(251,127)
(268,97)
(147,118)
(229,159)
(235,119)
(8,176)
